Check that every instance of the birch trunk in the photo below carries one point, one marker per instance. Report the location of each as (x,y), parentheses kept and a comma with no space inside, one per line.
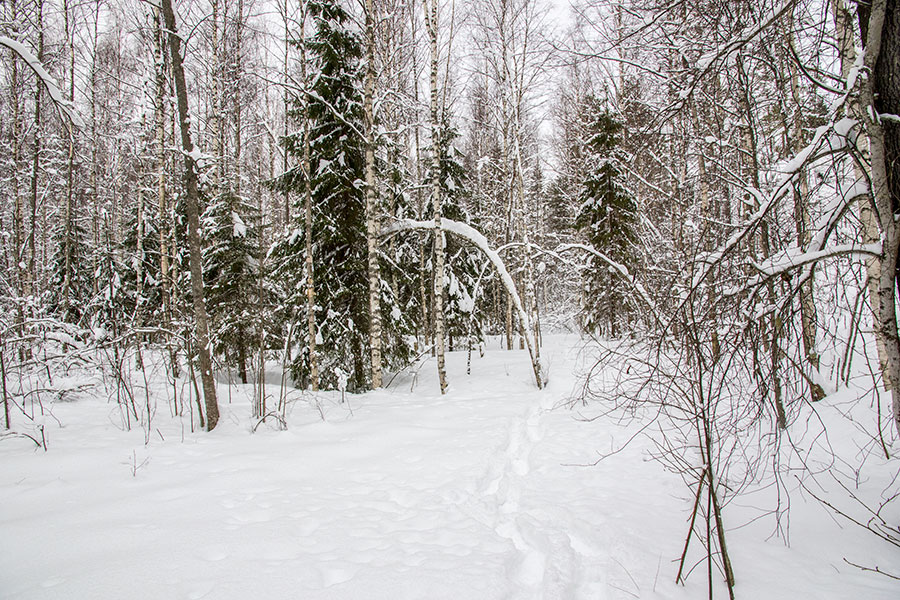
(69,226)
(371,217)
(420,203)
(215,120)
(285,74)
(192,205)
(95,142)
(162,202)
(844,27)
(431,15)
(880,94)
(32,279)
(18,218)
(312,329)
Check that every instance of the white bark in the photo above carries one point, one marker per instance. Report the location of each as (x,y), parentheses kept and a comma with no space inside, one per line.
(374,271)
(431,16)
(472,235)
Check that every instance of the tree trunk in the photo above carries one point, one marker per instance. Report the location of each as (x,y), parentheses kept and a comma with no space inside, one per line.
(95,143)
(32,277)
(803,221)
(870,233)
(311,327)
(192,204)
(162,202)
(215,120)
(18,256)
(69,225)
(438,310)
(771,330)
(286,74)
(880,94)
(371,216)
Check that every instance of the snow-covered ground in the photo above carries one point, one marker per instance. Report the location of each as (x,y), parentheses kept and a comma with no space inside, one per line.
(488,492)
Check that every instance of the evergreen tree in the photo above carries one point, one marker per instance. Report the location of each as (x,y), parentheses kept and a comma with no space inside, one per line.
(230,273)
(70,239)
(147,264)
(608,216)
(339,222)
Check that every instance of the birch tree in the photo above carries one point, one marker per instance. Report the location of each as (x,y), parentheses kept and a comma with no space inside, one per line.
(374,272)
(431,27)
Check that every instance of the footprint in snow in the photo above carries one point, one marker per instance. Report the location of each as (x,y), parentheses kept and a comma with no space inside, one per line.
(335,575)
(214,553)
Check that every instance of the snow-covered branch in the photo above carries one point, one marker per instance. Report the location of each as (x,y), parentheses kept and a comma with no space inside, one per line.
(477,238)
(64,106)
(621,269)
(840,130)
(795,257)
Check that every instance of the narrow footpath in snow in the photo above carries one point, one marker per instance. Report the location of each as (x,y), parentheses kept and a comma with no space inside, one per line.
(488,492)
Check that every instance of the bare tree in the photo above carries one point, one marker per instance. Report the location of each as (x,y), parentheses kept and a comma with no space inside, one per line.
(192,205)
(374,270)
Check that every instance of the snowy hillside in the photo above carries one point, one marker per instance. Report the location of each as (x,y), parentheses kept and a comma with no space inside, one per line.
(488,492)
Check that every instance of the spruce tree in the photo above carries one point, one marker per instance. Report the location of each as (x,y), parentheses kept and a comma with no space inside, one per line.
(70,251)
(608,217)
(230,274)
(337,171)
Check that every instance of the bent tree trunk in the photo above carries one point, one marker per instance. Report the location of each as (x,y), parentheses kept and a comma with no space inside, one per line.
(193,214)
(473,236)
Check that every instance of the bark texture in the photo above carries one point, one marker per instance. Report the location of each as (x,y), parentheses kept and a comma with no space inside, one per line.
(880,95)
(371,217)
(438,310)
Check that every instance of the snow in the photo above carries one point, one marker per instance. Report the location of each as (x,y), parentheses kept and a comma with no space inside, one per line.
(239,227)
(65,106)
(793,257)
(488,492)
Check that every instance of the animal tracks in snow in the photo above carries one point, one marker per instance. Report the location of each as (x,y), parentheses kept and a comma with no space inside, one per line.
(542,561)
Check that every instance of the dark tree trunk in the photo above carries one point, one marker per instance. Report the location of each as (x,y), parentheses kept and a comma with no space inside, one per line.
(193,214)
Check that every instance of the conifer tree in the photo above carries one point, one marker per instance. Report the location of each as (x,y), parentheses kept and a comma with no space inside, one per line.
(608,216)
(337,168)
(230,274)
(69,296)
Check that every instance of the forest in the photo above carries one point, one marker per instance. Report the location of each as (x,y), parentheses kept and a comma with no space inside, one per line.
(680,219)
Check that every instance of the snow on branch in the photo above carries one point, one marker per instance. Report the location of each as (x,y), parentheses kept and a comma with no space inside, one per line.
(620,269)
(794,257)
(841,130)
(705,62)
(65,106)
(477,238)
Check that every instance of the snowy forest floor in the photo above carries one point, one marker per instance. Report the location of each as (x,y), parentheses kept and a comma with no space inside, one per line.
(487,492)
